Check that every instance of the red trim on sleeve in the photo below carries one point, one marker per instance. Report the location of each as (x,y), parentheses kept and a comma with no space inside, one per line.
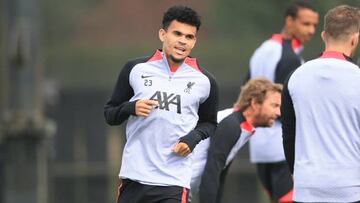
(192,63)
(287,198)
(184,195)
(333,54)
(157,56)
(247,127)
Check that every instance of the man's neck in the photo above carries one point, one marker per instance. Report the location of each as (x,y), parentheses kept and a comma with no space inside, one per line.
(248,116)
(339,48)
(286,34)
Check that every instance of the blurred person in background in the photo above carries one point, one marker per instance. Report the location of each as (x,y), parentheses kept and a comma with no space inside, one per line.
(321,116)
(275,59)
(170,105)
(258,105)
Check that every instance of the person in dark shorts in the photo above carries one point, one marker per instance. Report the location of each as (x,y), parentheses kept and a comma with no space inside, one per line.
(275,59)
(170,104)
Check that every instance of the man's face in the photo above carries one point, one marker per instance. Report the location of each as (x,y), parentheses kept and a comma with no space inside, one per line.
(178,40)
(303,26)
(267,112)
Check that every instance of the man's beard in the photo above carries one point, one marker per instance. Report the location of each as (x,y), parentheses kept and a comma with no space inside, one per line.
(262,122)
(175,59)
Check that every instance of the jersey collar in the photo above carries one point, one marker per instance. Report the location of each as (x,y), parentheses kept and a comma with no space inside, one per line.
(244,124)
(336,55)
(295,43)
(159,55)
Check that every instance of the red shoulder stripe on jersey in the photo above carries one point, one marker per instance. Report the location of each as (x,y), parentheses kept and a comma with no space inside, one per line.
(157,56)
(288,197)
(277,38)
(333,54)
(247,127)
(192,63)
(295,43)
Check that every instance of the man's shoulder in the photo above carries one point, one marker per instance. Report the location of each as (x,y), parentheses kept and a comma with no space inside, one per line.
(268,48)
(193,62)
(304,69)
(132,62)
(207,74)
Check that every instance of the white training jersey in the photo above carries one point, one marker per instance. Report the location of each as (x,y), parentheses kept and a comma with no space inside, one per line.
(186,112)
(274,60)
(321,118)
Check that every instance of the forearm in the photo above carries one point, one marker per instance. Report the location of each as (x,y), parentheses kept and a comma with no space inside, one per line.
(115,115)
(202,131)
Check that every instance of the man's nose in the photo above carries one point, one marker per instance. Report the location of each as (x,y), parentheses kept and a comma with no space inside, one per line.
(312,30)
(277,112)
(182,40)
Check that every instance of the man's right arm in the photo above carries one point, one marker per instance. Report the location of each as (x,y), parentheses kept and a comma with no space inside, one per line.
(119,108)
(288,126)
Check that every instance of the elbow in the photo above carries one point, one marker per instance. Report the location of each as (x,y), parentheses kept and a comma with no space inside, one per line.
(108,118)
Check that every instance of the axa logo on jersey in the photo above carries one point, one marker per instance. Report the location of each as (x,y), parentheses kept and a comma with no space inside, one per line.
(166,99)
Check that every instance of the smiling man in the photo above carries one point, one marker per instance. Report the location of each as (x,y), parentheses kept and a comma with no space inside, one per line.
(170,105)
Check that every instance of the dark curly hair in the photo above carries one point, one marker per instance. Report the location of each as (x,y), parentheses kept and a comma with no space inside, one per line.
(182,14)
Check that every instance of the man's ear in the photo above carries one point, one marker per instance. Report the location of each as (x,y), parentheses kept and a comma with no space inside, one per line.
(323,36)
(253,103)
(162,34)
(289,21)
(355,39)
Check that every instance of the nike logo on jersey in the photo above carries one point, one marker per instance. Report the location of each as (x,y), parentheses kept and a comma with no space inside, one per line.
(146,76)
(165,100)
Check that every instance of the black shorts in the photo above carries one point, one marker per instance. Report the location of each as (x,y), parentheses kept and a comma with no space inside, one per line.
(133,192)
(320,202)
(277,180)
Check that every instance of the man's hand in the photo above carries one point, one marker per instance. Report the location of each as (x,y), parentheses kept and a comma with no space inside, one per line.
(143,107)
(181,149)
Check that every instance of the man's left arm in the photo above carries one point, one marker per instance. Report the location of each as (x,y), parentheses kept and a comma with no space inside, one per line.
(207,118)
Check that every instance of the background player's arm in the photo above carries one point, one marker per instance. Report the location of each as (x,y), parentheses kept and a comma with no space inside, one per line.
(288,126)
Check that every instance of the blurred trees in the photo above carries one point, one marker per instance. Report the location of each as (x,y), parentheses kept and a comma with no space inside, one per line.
(95,37)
